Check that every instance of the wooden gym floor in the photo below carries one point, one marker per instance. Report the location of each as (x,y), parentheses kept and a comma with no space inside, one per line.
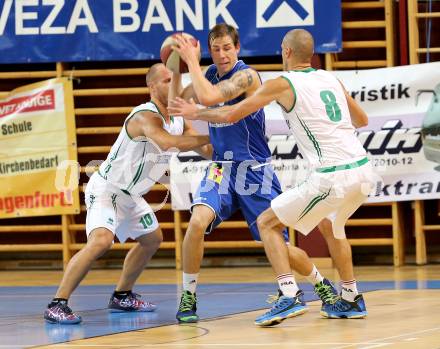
(403,305)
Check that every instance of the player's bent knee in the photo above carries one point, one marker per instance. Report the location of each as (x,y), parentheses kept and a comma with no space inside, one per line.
(158,238)
(325,227)
(201,218)
(197,226)
(267,220)
(151,240)
(100,240)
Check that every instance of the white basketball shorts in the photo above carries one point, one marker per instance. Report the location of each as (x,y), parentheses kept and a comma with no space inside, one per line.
(124,215)
(335,192)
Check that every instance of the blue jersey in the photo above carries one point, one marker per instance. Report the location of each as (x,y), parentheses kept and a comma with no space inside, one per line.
(243,140)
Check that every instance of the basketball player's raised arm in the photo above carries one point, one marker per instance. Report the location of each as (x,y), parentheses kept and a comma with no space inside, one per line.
(358,117)
(275,89)
(177,90)
(149,124)
(207,93)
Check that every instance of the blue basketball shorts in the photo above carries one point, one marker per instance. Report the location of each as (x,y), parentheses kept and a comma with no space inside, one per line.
(227,187)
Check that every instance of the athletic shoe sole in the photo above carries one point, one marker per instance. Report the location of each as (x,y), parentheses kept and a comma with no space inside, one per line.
(111,310)
(188,320)
(280,318)
(65,322)
(350,315)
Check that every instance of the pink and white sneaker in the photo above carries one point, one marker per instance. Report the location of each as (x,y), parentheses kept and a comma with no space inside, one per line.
(60,313)
(131,302)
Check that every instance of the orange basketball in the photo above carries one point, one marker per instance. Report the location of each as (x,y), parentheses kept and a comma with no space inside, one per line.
(170,57)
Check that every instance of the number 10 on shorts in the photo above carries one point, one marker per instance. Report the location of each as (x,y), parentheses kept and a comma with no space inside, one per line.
(146,221)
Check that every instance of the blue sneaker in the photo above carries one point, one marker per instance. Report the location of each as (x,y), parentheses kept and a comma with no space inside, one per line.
(326,292)
(343,309)
(187,308)
(283,308)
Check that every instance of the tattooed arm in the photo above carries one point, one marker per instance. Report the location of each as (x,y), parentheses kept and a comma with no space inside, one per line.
(275,89)
(244,81)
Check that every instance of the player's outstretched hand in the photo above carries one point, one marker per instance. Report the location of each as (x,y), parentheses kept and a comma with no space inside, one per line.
(186,49)
(180,107)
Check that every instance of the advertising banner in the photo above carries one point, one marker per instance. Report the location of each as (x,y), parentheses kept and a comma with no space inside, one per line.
(105,30)
(402,138)
(38,157)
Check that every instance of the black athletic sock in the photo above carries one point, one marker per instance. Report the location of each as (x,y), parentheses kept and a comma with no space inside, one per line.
(121,294)
(56,301)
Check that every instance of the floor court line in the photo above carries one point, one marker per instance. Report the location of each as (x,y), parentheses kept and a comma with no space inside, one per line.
(373,341)
(229,298)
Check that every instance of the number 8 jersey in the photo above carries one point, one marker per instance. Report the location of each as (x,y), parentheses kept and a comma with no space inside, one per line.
(320,119)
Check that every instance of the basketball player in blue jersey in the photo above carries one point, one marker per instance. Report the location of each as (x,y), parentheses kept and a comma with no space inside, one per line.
(240,176)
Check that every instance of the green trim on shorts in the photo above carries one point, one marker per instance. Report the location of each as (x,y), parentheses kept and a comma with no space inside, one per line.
(101,175)
(349,166)
(114,196)
(92,200)
(313,203)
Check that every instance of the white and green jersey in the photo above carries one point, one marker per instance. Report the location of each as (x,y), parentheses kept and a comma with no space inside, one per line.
(320,119)
(135,165)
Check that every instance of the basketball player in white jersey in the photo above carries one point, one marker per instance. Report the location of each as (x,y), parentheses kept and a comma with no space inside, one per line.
(318,111)
(114,201)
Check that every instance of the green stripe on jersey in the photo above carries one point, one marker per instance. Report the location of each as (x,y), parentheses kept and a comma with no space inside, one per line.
(293,90)
(311,137)
(138,172)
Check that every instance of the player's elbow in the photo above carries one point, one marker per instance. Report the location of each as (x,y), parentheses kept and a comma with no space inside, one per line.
(207,100)
(165,144)
(362,120)
(210,97)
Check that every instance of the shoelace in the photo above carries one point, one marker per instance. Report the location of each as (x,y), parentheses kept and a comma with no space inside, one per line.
(326,294)
(280,304)
(340,305)
(272,298)
(186,302)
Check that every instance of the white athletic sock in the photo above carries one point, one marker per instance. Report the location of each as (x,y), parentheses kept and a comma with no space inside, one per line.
(315,276)
(349,290)
(287,285)
(190,282)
